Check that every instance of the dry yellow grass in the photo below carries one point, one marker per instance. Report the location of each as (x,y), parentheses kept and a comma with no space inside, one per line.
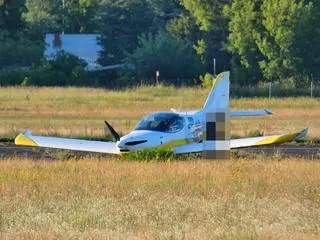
(106,199)
(99,199)
(81,111)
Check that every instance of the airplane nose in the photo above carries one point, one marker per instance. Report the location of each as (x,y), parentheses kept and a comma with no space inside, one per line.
(130,144)
(121,146)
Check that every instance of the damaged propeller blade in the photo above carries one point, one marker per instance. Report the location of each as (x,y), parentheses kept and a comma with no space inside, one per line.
(112,131)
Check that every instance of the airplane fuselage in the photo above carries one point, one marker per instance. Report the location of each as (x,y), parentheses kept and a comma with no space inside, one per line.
(206,130)
(185,133)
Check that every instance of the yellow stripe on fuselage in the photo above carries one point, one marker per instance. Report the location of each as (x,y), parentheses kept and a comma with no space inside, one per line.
(23,140)
(174,143)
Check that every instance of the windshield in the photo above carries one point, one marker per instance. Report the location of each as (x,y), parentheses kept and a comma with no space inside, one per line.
(161,122)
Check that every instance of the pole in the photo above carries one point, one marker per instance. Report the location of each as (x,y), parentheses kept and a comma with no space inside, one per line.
(157,77)
(311,87)
(63,17)
(214,67)
(270,89)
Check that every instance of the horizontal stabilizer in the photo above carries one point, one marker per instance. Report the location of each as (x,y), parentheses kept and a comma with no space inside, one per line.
(27,139)
(233,113)
(247,113)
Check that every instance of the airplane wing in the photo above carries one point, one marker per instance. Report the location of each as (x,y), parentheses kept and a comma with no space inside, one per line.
(247,113)
(27,139)
(246,142)
(267,140)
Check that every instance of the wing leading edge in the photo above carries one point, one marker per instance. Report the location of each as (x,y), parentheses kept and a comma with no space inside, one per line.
(27,139)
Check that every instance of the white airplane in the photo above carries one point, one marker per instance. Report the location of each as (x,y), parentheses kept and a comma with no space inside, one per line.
(180,131)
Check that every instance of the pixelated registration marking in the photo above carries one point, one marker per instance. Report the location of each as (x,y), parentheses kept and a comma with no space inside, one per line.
(217,140)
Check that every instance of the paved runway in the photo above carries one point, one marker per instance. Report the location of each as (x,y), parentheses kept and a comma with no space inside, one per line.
(299,150)
(10,150)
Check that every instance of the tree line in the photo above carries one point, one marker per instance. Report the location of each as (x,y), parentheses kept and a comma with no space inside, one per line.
(258,40)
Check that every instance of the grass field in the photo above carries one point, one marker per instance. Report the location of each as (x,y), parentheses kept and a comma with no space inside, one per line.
(250,197)
(97,199)
(81,111)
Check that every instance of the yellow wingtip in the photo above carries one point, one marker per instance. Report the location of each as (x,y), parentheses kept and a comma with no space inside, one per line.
(23,140)
(282,138)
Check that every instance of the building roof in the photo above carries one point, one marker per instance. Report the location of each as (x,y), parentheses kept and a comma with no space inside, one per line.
(84,46)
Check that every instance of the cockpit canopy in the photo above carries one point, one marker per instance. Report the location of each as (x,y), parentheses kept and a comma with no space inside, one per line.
(161,122)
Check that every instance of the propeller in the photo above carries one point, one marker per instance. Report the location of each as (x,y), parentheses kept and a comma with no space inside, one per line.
(112,131)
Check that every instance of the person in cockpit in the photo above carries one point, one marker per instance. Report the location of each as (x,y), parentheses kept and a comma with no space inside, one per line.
(161,122)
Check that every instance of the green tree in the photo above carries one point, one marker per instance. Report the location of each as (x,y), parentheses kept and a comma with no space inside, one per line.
(307,43)
(175,59)
(10,16)
(284,23)
(16,51)
(71,16)
(42,17)
(164,11)
(183,27)
(244,25)
(122,21)
(213,25)
(269,38)
(80,15)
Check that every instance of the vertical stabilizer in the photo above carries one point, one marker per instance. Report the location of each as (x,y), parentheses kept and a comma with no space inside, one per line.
(216,144)
(219,95)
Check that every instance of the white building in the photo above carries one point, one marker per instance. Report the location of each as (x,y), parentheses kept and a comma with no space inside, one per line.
(84,46)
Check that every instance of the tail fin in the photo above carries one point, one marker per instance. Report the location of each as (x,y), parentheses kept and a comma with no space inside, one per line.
(216,144)
(219,95)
